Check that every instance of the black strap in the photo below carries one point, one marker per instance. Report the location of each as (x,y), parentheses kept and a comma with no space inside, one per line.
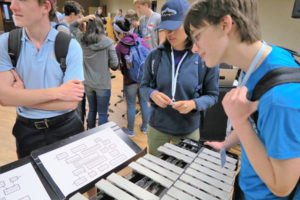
(201,74)
(154,66)
(276,77)
(273,78)
(294,53)
(14,45)
(61,48)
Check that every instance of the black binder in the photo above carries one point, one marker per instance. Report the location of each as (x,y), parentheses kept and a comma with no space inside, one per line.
(49,183)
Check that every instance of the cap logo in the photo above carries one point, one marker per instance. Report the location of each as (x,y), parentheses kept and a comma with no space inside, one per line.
(168,12)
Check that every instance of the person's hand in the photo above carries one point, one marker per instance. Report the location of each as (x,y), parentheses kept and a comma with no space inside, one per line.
(184,107)
(72,90)
(18,83)
(215,145)
(161,99)
(86,18)
(237,106)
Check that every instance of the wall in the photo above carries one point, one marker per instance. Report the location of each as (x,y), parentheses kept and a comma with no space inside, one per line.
(84,3)
(113,5)
(277,25)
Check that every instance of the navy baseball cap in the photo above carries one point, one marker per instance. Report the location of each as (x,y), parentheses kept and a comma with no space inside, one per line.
(172,14)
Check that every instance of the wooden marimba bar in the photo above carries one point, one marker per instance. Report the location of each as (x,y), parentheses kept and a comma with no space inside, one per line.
(188,171)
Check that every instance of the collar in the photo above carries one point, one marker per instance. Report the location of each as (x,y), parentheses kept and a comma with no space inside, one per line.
(50,37)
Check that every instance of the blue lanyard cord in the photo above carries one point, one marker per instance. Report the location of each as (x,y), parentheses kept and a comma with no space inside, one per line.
(175,75)
(253,64)
(242,82)
(149,19)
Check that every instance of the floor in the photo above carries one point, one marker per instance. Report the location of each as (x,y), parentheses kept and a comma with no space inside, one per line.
(8,114)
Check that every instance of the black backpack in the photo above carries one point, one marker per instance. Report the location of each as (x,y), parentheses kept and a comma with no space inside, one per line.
(277,76)
(61,47)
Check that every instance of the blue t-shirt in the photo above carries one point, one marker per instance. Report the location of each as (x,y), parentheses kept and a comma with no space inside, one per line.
(40,69)
(278,123)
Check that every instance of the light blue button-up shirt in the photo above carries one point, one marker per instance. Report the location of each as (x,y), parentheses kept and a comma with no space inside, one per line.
(40,69)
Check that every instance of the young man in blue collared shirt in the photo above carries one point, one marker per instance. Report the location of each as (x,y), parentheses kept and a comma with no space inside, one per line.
(45,96)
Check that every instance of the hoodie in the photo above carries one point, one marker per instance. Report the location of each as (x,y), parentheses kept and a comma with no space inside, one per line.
(195,82)
(123,48)
(97,59)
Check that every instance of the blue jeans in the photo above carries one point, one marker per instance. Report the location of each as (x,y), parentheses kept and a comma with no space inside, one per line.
(131,91)
(98,102)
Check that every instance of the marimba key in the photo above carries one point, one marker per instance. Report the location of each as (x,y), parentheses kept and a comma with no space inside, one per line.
(153,175)
(131,187)
(113,191)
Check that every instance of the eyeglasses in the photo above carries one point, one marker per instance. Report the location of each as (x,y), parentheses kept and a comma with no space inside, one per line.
(196,34)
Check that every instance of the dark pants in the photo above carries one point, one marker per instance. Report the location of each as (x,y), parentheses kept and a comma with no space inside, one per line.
(34,134)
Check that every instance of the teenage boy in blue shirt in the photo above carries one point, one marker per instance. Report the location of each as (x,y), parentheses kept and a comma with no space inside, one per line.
(45,96)
(228,31)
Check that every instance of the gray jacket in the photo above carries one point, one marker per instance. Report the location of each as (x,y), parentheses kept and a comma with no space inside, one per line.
(97,59)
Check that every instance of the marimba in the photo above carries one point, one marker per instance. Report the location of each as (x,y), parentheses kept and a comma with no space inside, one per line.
(187,171)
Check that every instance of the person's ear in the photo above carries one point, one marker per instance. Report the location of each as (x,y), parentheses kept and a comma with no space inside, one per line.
(227,23)
(47,5)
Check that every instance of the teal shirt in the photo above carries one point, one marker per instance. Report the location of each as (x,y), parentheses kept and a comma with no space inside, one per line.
(278,124)
(40,69)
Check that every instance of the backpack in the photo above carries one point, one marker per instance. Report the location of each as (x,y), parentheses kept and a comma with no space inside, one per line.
(135,61)
(277,76)
(61,47)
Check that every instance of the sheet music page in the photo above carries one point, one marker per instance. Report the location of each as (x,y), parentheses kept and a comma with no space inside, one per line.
(78,163)
(22,183)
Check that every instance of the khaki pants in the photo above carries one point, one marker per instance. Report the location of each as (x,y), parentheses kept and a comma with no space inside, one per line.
(157,138)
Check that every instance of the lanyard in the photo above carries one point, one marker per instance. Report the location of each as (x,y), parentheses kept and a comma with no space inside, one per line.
(149,20)
(240,84)
(175,75)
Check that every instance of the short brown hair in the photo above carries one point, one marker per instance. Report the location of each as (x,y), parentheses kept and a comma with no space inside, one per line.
(53,8)
(243,13)
(131,15)
(148,2)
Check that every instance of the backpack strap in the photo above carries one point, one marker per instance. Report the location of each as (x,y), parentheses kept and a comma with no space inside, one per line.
(14,45)
(61,24)
(201,73)
(61,48)
(276,77)
(294,53)
(156,56)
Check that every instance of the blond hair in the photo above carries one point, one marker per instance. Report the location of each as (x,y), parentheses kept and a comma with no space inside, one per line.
(132,15)
(143,2)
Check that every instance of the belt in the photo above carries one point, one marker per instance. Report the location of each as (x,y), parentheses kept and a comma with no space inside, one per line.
(46,122)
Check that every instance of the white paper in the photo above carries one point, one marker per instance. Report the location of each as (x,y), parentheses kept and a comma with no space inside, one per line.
(22,183)
(78,163)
